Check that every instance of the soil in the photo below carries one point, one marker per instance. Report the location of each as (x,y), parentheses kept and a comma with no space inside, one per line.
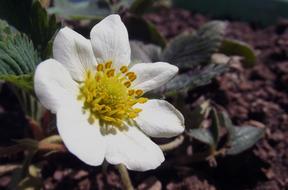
(254,96)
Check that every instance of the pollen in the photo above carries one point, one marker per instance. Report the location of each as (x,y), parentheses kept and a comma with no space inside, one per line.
(108,95)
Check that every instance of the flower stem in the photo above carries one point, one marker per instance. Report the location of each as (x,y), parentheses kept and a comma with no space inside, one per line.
(125,177)
(172,145)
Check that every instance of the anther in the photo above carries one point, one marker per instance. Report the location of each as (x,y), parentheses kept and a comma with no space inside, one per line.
(131,92)
(110,73)
(91,119)
(108,64)
(79,97)
(142,100)
(124,69)
(139,92)
(131,76)
(100,67)
(127,84)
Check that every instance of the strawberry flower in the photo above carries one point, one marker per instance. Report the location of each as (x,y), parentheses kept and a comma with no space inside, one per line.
(99,101)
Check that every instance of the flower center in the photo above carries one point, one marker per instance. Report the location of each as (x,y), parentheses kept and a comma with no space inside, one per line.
(108,95)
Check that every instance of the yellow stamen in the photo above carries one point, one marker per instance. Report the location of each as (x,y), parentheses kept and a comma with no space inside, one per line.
(142,100)
(108,64)
(137,110)
(127,84)
(97,77)
(100,67)
(131,92)
(139,92)
(131,76)
(132,115)
(108,97)
(91,120)
(111,72)
(124,69)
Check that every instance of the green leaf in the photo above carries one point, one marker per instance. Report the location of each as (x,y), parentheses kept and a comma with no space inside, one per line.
(17,55)
(96,9)
(31,18)
(191,50)
(215,126)
(235,47)
(18,58)
(198,115)
(42,28)
(25,82)
(145,53)
(240,138)
(227,123)
(187,81)
(207,135)
(202,135)
(244,138)
(5,30)
(143,30)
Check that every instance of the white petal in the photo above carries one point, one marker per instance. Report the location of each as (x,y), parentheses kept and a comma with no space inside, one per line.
(152,75)
(74,52)
(53,84)
(133,149)
(110,41)
(159,118)
(81,139)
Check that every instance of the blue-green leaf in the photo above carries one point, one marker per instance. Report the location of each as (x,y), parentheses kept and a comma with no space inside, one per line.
(197,77)
(244,138)
(18,58)
(194,49)
(145,53)
(215,126)
(235,47)
(202,135)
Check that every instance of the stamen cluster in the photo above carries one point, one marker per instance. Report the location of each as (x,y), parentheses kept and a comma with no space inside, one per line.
(107,95)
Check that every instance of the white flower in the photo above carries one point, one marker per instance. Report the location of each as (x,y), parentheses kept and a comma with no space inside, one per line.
(97,98)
